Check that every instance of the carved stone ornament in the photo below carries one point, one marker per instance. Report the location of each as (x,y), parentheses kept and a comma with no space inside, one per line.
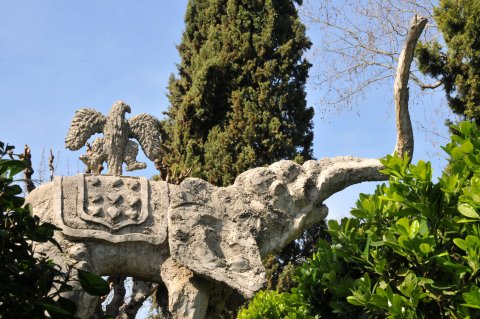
(116,146)
(112,201)
(111,208)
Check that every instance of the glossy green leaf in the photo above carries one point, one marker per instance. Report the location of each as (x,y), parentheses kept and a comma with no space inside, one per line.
(460,243)
(377,243)
(356,301)
(15,167)
(465,127)
(403,226)
(466,221)
(468,211)
(414,228)
(457,153)
(93,284)
(472,298)
(425,248)
(409,284)
(467,147)
(333,225)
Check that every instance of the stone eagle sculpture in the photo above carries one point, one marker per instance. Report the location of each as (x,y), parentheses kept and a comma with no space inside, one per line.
(115,147)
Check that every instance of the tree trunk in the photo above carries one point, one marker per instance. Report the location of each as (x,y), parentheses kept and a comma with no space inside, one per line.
(400,88)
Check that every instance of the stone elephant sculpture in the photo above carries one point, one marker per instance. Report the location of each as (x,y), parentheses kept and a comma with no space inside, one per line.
(202,241)
(197,239)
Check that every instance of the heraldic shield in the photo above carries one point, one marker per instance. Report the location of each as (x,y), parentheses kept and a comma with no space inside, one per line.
(114,202)
(112,208)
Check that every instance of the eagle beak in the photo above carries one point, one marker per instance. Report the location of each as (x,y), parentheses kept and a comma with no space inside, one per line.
(127,108)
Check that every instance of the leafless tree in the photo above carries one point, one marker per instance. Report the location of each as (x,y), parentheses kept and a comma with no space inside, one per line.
(360,43)
(41,168)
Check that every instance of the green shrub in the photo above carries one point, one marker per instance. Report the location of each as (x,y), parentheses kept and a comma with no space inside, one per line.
(271,304)
(30,285)
(411,250)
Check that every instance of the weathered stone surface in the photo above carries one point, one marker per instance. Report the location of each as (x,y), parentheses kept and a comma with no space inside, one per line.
(111,208)
(115,147)
(209,236)
(188,295)
(210,230)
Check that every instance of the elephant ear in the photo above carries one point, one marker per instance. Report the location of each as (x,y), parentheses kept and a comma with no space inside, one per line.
(204,237)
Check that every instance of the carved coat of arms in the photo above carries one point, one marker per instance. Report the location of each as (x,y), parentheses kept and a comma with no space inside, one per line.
(111,208)
(113,202)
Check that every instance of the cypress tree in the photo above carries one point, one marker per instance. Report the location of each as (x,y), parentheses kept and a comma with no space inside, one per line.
(458,67)
(238,100)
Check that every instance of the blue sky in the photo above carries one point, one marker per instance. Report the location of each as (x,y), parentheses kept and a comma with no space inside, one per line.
(59,56)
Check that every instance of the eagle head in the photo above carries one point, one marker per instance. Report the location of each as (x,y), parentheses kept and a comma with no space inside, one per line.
(120,108)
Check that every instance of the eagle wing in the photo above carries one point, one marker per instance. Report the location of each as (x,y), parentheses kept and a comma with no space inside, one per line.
(147,130)
(85,123)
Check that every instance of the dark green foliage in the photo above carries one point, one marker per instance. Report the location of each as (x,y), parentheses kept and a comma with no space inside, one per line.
(411,250)
(280,268)
(239,99)
(30,285)
(458,67)
(93,284)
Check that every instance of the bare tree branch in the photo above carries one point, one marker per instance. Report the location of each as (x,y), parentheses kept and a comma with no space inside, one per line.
(400,88)
(360,44)
(424,86)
